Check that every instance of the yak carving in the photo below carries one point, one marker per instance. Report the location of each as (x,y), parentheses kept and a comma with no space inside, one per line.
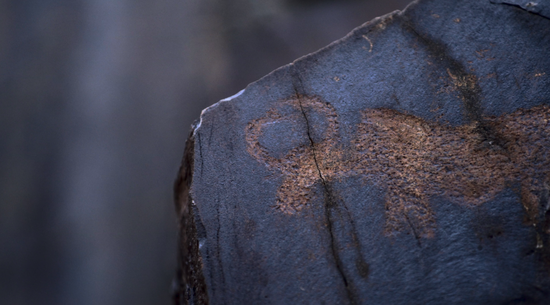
(410,158)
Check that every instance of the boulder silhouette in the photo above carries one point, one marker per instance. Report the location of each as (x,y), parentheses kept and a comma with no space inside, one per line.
(407,163)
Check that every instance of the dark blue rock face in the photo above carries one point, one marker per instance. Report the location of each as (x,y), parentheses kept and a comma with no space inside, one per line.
(407,163)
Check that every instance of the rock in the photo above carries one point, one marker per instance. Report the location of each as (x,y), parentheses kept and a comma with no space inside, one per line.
(407,163)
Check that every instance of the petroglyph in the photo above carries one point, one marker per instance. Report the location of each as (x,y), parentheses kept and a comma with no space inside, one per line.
(413,160)
(298,164)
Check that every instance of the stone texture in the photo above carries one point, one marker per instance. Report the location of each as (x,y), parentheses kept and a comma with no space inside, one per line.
(406,163)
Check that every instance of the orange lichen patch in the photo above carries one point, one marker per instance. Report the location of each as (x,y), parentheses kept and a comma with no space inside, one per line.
(415,160)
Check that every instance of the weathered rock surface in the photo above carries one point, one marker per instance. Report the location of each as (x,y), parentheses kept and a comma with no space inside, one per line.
(407,163)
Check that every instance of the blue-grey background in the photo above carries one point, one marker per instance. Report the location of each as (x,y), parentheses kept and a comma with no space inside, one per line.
(96,101)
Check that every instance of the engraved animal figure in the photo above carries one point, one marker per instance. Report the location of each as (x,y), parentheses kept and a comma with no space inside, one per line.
(412,159)
(298,165)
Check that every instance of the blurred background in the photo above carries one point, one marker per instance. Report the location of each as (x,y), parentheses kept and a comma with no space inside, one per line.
(96,101)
